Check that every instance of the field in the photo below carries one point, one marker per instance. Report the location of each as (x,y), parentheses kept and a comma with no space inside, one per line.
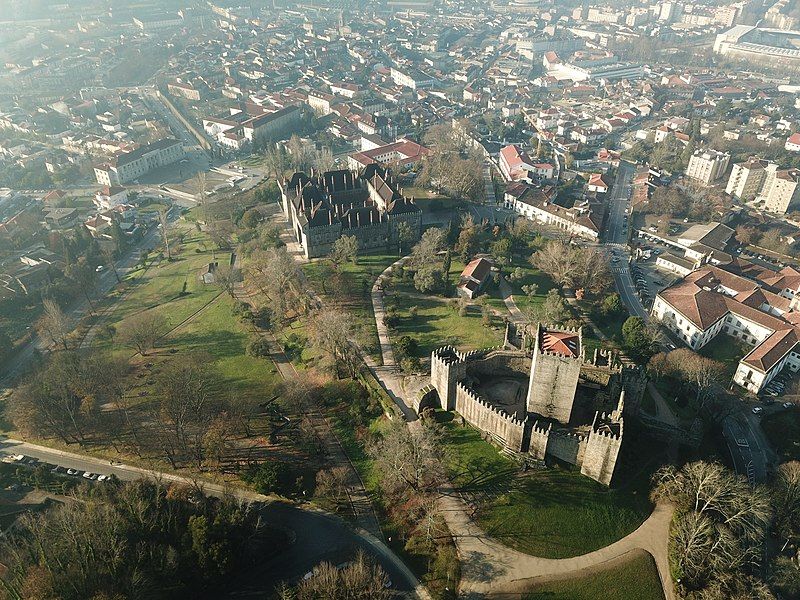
(553,513)
(636,577)
(531,276)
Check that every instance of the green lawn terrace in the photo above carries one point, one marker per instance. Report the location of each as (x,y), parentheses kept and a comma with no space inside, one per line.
(631,576)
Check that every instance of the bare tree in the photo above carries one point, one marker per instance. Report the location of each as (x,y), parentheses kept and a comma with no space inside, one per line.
(409,460)
(279,281)
(332,484)
(719,526)
(226,277)
(141,331)
(323,160)
(163,221)
(559,260)
(54,324)
(332,335)
(360,579)
(110,258)
(786,499)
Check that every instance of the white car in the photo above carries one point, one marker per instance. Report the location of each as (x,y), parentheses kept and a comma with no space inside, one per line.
(757,410)
(74,472)
(89,475)
(104,478)
(12,458)
(99,269)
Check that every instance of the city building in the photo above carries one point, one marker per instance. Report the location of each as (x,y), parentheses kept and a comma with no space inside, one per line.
(129,166)
(784,193)
(109,197)
(747,179)
(793,143)
(772,47)
(515,163)
(402,153)
(707,166)
(366,204)
(759,311)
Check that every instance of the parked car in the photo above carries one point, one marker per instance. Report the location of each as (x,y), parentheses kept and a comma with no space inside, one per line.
(757,410)
(73,472)
(787,405)
(104,478)
(89,475)
(12,458)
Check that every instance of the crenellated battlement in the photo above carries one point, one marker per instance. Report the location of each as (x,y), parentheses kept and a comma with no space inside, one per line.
(471,395)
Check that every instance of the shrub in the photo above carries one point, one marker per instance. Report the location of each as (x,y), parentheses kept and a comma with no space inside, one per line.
(271,477)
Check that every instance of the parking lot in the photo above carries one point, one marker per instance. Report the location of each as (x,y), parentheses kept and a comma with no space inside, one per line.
(32,463)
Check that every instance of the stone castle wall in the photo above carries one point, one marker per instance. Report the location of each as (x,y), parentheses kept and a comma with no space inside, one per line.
(501,363)
(498,423)
(602,451)
(567,446)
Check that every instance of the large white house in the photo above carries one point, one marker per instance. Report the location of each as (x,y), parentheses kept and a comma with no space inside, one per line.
(129,166)
(758,307)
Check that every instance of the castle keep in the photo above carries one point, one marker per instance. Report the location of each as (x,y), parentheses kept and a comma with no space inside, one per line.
(366,204)
(548,400)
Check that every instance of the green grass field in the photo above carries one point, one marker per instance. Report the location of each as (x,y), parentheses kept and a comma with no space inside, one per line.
(555,513)
(635,578)
(172,289)
(521,299)
(438,324)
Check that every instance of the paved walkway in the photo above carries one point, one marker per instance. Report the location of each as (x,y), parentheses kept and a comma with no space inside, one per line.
(489,566)
(486,564)
(508,299)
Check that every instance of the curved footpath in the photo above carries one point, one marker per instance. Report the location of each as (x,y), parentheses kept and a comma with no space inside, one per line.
(488,566)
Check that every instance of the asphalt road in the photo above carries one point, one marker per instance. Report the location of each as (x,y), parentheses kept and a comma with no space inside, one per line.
(616,236)
(317,536)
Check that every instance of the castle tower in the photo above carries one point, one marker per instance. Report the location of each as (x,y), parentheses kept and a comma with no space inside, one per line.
(603,445)
(555,368)
(447,369)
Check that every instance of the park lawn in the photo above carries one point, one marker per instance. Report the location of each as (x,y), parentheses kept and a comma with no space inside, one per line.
(727,350)
(170,288)
(219,333)
(783,431)
(634,578)
(552,513)
(438,324)
(521,299)
(350,288)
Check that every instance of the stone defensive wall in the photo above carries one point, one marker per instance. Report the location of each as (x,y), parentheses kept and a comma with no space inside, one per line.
(602,450)
(507,429)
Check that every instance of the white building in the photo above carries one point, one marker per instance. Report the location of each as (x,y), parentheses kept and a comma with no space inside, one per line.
(707,166)
(747,179)
(711,300)
(784,192)
(129,166)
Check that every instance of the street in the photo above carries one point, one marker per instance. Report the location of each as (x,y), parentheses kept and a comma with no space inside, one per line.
(616,239)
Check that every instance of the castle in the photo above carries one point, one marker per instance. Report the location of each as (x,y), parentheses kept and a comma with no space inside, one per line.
(542,398)
(366,204)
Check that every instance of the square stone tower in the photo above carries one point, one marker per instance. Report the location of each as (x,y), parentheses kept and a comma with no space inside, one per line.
(555,368)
